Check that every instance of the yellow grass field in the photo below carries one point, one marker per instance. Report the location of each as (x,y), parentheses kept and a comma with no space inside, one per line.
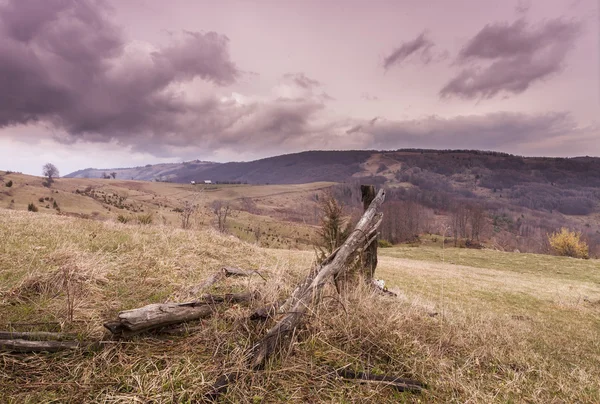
(475,325)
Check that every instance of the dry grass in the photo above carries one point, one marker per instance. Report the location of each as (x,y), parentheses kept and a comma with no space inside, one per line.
(499,335)
(163,200)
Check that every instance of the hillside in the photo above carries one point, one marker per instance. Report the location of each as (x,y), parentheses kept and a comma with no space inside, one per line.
(490,169)
(297,168)
(275,215)
(149,172)
(477,326)
(513,201)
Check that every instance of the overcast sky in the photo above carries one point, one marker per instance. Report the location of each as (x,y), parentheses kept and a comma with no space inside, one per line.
(130,82)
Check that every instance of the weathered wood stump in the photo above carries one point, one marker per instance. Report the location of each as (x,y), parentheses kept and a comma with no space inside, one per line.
(308,292)
(153,316)
(370,252)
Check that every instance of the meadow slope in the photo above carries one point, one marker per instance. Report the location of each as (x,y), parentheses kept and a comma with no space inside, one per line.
(477,326)
(277,213)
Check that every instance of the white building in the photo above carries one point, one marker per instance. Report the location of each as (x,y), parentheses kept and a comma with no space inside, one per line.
(207,181)
(193,182)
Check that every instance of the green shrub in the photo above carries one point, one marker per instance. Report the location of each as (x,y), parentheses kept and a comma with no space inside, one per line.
(568,243)
(32,208)
(334,228)
(382,243)
(9,184)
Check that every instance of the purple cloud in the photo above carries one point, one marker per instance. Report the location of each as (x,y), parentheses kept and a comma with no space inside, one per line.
(301,80)
(65,65)
(326,97)
(495,131)
(420,46)
(359,127)
(517,56)
(63,62)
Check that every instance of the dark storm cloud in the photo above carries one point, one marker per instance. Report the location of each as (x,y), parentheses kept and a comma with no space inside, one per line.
(63,62)
(516,55)
(495,131)
(420,46)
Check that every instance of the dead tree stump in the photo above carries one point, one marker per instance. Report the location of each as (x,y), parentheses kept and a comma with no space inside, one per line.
(370,252)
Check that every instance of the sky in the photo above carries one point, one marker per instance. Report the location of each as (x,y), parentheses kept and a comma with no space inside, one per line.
(122,83)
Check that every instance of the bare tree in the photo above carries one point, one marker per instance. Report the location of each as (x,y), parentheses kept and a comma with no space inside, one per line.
(221,209)
(444,227)
(404,221)
(113,174)
(50,171)
(187,213)
(459,219)
(257,233)
(248,205)
(477,220)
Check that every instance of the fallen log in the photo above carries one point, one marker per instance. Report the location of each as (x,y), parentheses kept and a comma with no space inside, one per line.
(158,315)
(35,336)
(309,291)
(23,346)
(136,321)
(398,383)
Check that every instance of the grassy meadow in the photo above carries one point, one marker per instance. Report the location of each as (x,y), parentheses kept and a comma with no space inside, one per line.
(274,212)
(475,325)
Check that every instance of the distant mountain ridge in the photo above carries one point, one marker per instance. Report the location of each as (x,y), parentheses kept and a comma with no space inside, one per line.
(381,166)
(296,168)
(149,172)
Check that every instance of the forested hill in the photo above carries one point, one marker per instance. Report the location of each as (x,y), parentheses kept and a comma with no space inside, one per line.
(492,169)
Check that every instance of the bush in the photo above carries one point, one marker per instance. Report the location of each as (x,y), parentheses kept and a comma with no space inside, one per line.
(568,243)
(334,227)
(123,218)
(32,208)
(9,184)
(473,244)
(41,200)
(145,219)
(382,243)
